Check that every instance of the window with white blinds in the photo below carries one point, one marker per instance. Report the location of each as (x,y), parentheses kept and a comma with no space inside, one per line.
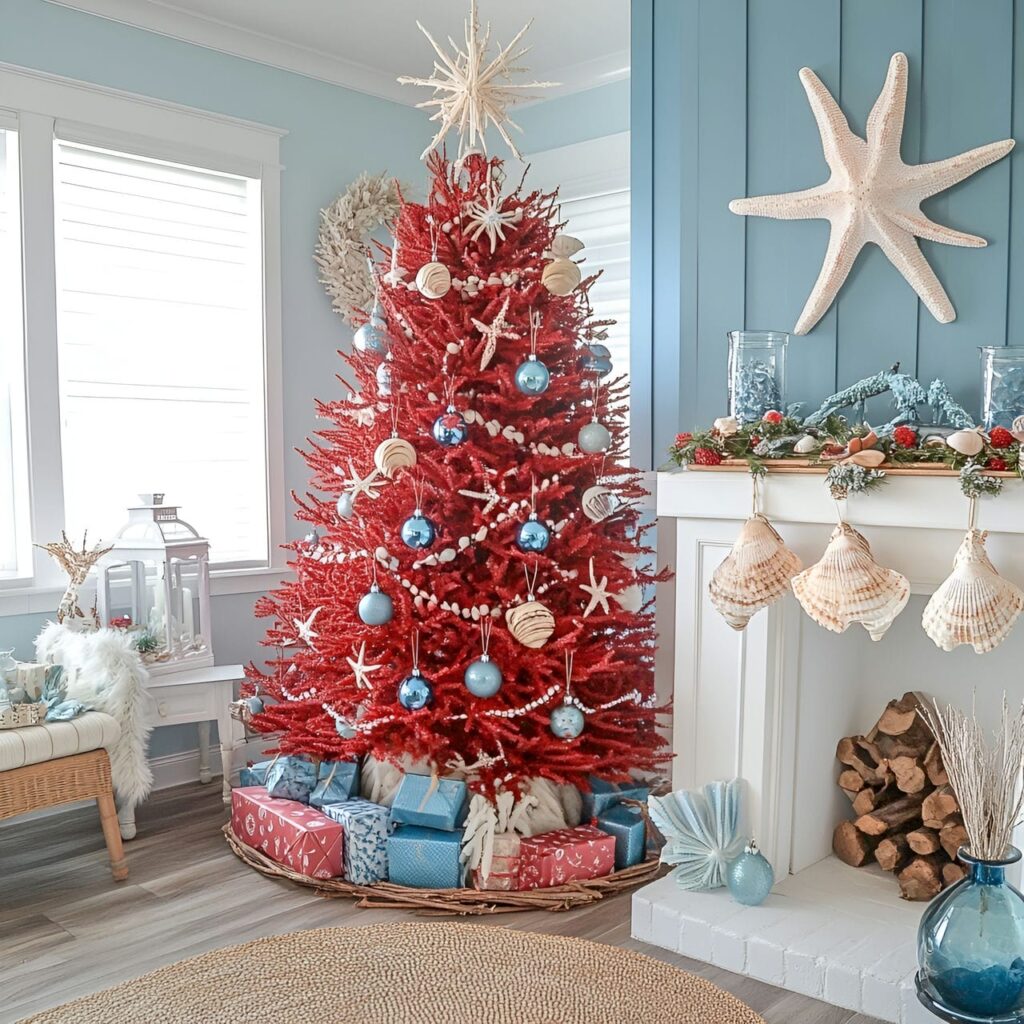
(593,187)
(161,345)
(15,558)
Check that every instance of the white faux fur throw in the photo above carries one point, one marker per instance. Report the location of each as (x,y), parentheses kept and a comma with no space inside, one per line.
(105,673)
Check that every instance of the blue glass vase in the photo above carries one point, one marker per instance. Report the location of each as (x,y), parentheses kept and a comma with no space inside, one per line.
(970,947)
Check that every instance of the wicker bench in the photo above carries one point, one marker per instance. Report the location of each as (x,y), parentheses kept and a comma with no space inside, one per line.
(58,763)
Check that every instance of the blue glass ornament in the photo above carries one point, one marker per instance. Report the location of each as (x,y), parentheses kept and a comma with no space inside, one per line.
(567,721)
(255,705)
(750,877)
(594,438)
(345,505)
(418,531)
(375,608)
(482,677)
(532,377)
(344,730)
(450,428)
(372,337)
(414,692)
(596,359)
(970,946)
(533,535)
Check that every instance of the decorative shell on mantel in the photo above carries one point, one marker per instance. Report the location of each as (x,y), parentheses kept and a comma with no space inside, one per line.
(975,605)
(755,574)
(848,585)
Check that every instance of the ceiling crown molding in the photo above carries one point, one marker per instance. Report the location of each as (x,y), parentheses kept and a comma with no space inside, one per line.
(168,20)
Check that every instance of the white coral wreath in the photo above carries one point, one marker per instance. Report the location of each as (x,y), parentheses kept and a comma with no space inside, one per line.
(341,248)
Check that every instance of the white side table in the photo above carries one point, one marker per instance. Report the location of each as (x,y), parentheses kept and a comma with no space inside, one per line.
(200,696)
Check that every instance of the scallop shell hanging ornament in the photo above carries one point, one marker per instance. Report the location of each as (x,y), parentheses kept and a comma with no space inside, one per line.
(755,574)
(848,585)
(975,605)
(565,246)
(598,503)
(434,280)
(392,454)
(560,276)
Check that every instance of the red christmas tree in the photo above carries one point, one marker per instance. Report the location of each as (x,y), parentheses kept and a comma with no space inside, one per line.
(454,439)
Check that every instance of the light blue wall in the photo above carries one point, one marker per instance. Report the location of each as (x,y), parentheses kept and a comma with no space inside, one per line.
(730,119)
(333,135)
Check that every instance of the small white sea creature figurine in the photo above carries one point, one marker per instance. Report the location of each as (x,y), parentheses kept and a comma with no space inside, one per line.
(700,832)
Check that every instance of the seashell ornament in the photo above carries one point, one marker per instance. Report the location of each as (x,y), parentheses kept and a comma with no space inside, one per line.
(755,574)
(966,442)
(392,454)
(560,276)
(975,605)
(599,503)
(531,623)
(848,585)
(434,280)
(805,445)
(565,246)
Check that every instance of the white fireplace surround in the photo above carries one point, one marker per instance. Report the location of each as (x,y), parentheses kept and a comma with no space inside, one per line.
(770,703)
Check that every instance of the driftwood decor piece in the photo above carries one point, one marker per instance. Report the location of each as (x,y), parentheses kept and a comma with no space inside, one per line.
(906,817)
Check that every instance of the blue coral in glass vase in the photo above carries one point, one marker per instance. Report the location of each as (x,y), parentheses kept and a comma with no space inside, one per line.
(971,946)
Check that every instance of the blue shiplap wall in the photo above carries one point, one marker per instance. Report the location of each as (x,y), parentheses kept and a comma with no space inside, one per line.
(730,118)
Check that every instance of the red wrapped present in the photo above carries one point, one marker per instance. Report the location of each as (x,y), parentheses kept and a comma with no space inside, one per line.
(289,832)
(566,855)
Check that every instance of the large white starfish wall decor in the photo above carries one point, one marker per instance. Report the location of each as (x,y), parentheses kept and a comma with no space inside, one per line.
(470,93)
(873,196)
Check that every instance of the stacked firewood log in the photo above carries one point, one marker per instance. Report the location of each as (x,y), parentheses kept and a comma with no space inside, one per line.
(906,817)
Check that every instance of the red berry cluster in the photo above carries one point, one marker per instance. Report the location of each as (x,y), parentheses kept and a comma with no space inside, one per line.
(682,440)
(997,464)
(1000,437)
(772,416)
(905,437)
(707,457)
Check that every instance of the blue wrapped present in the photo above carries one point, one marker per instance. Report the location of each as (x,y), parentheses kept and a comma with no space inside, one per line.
(366,839)
(626,824)
(254,774)
(425,858)
(291,778)
(604,794)
(430,802)
(335,783)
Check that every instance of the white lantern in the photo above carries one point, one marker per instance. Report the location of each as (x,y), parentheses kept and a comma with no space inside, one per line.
(155,581)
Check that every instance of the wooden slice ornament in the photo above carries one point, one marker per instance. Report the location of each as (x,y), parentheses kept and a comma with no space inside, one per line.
(531,623)
(433,279)
(394,453)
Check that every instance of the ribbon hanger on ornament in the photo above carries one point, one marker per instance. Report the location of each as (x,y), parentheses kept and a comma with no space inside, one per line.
(531,584)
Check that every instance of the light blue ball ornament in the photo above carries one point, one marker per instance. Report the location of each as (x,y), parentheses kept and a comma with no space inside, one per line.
(482,677)
(596,359)
(377,314)
(533,535)
(532,377)
(450,428)
(372,337)
(750,877)
(376,608)
(594,438)
(345,505)
(414,692)
(418,531)
(567,721)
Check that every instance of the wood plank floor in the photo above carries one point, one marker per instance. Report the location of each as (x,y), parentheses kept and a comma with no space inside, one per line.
(66,929)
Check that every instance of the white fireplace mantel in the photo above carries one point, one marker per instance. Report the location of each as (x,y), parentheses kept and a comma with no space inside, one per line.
(769,704)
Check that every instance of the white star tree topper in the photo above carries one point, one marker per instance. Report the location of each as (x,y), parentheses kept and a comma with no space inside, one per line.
(873,196)
(469,93)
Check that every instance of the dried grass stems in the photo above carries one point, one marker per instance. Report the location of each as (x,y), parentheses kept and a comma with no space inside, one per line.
(986,777)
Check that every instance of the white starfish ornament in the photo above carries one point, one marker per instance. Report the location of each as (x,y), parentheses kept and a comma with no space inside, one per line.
(469,93)
(486,217)
(497,328)
(359,667)
(873,196)
(304,629)
(598,592)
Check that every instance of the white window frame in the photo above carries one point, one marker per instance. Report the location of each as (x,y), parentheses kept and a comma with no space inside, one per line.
(46,107)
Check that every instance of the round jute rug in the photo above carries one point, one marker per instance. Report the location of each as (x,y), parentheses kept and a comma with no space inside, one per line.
(412,973)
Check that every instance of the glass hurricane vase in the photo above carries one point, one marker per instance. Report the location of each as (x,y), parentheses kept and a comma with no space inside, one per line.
(970,947)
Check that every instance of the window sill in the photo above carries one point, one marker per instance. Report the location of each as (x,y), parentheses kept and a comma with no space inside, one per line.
(42,600)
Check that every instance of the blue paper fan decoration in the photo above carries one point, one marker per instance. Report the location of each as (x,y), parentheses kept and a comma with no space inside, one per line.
(700,832)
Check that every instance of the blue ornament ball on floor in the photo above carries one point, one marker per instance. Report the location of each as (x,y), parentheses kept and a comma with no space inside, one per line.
(532,377)
(594,438)
(375,608)
(533,535)
(414,692)
(482,677)
(750,877)
(372,337)
(450,429)
(418,531)
(567,721)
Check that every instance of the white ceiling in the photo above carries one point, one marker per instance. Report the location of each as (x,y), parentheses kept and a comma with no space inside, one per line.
(366,44)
